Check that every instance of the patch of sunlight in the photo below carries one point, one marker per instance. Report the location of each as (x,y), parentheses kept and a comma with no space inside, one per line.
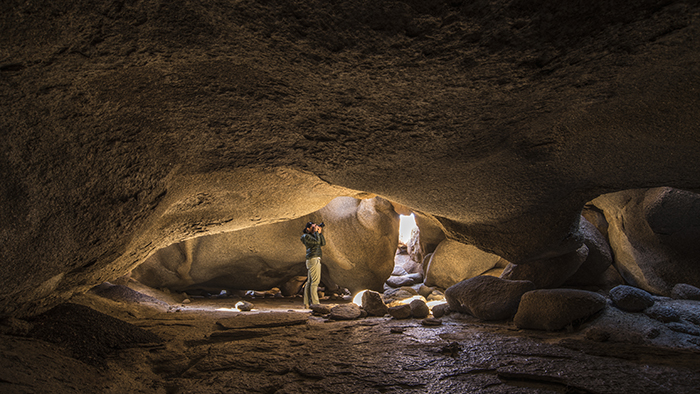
(407,223)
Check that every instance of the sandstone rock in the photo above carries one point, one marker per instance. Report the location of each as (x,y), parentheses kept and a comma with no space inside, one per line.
(453,262)
(402,311)
(684,328)
(244,306)
(631,299)
(373,303)
(399,294)
(684,291)
(662,313)
(441,310)
(345,312)
(548,273)
(361,240)
(431,322)
(436,295)
(293,286)
(599,259)
(425,291)
(487,297)
(554,309)
(400,281)
(321,309)
(653,234)
(398,271)
(419,309)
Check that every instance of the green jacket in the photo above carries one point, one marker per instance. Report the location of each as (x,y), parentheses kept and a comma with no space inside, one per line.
(313,243)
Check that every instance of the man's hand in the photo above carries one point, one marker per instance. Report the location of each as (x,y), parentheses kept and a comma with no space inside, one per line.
(318,229)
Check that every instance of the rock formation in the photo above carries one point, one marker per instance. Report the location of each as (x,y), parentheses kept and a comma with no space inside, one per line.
(130,126)
(361,240)
(654,235)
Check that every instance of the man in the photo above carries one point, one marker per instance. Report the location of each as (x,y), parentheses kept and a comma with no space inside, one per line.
(313,240)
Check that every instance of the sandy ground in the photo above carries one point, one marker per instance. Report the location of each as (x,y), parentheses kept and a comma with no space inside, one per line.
(208,347)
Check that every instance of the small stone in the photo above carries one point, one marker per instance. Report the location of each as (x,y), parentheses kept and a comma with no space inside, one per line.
(396,330)
(400,311)
(431,321)
(244,306)
(374,305)
(631,299)
(186,301)
(419,309)
(441,310)
(597,334)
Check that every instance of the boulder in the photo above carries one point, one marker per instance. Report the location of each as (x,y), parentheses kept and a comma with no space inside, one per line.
(441,310)
(293,285)
(419,309)
(487,297)
(593,269)
(374,305)
(684,291)
(631,299)
(402,311)
(361,238)
(399,294)
(653,234)
(548,273)
(554,309)
(400,281)
(345,312)
(453,262)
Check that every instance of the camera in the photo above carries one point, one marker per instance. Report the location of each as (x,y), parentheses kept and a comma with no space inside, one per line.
(321,224)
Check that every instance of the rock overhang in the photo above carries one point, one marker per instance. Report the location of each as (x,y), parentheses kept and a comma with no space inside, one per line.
(124,123)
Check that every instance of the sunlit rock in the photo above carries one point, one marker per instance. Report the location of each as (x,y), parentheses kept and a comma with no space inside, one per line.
(361,239)
(453,262)
(654,236)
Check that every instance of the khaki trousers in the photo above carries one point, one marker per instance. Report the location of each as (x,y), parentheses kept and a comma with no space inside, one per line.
(313,265)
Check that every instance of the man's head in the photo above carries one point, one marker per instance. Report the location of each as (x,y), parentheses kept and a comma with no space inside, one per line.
(309,227)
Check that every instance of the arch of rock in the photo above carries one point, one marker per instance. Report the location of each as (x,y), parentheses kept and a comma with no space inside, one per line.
(130,125)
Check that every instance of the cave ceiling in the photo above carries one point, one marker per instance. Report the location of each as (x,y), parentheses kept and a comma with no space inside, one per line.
(130,125)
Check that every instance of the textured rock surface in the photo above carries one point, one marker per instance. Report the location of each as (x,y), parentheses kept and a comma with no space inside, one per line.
(453,262)
(598,259)
(373,303)
(361,238)
(654,235)
(130,126)
(684,291)
(554,309)
(631,299)
(548,273)
(487,297)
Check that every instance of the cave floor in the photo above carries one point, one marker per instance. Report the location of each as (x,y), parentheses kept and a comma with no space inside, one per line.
(281,348)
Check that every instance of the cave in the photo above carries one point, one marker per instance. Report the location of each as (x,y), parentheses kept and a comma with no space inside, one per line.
(547,150)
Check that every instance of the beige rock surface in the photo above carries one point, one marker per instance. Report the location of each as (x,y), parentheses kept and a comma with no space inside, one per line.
(130,126)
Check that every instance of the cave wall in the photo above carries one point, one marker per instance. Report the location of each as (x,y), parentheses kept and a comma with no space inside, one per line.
(130,125)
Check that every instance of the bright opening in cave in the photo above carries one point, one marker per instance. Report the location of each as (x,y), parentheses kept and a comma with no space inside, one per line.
(406,227)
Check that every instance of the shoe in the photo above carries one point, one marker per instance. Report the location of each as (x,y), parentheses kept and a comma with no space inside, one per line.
(306,306)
